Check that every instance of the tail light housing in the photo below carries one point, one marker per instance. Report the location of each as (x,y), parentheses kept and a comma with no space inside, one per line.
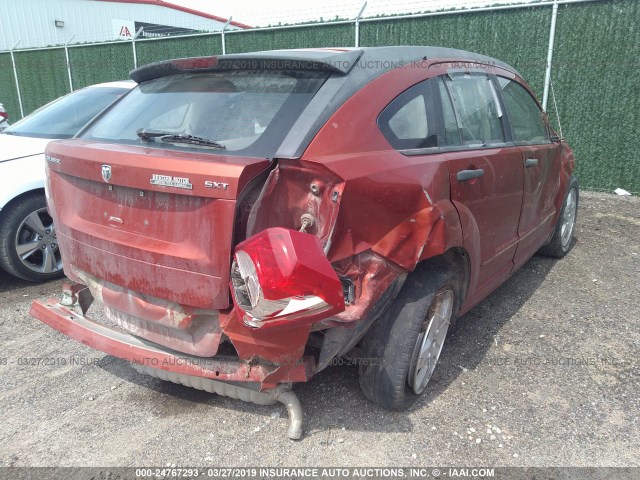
(280,275)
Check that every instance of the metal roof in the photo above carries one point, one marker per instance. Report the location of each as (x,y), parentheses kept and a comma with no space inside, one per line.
(45,23)
(162,3)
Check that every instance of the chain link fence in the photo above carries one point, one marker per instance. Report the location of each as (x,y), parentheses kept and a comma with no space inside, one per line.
(596,55)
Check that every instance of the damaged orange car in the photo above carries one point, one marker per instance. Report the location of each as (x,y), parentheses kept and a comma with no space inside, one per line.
(245,220)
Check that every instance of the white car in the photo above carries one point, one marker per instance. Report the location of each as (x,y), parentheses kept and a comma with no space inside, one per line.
(4,118)
(28,244)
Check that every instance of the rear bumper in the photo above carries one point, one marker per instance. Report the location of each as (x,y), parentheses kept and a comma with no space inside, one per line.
(141,352)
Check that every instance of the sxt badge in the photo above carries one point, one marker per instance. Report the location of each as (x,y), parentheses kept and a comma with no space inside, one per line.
(212,184)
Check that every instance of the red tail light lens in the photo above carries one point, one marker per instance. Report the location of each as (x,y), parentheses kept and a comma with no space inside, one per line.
(280,275)
(4,115)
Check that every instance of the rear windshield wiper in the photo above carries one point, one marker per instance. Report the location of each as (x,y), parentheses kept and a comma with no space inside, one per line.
(169,137)
(148,134)
(190,139)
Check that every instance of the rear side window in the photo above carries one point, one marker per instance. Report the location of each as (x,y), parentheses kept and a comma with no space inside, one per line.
(478,111)
(525,115)
(408,121)
(411,120)
(242,112)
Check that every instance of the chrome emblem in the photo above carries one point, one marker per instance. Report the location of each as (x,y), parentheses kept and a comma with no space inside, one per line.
(169,181)
(212,184)
(106,172)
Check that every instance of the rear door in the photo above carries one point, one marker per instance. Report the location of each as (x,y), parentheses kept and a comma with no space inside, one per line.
(486,177)
(540,165)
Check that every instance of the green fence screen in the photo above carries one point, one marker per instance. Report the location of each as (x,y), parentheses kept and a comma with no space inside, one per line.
(497,34)
(594,75)
(100,63)
(150,51)
(595,78)
(341,35)
(42,76)
(8,90)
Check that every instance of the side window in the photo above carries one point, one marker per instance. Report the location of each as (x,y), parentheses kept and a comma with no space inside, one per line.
(479,113)
(450,123)
(408,122)
(524,113)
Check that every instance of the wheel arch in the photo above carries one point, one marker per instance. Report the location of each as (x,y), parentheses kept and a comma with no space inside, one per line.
(456,259)
(339,340)
(388,349)
(15,199)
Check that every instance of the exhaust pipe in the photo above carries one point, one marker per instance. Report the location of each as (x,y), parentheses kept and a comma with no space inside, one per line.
(246,393)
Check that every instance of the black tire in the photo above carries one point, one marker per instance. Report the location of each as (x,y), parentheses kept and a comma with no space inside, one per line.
(560,245)
(390,345)
(14,233)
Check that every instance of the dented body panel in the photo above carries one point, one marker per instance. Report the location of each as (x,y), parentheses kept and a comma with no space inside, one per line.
(158,257)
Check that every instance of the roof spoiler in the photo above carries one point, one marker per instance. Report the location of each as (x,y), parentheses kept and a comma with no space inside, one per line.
(329,60)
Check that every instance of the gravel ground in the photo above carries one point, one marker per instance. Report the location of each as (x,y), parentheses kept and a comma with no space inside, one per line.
(544,372)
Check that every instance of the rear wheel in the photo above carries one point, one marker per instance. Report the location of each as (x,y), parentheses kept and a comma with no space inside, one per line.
(28,241)
(562,237)
(401,350)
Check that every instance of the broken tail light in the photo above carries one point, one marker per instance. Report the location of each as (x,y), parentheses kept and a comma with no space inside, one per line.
(279,275)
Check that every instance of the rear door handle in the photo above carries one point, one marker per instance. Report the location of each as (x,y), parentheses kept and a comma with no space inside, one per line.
(530,162)
(464,175)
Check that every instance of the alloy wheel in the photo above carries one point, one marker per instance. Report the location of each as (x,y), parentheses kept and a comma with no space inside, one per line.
(36,243)
(431,340)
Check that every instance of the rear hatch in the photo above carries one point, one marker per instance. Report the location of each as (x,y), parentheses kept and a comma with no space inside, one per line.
(145,198)
(158,222)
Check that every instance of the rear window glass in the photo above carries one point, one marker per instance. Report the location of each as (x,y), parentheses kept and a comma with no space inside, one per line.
(239,112)
(65,117)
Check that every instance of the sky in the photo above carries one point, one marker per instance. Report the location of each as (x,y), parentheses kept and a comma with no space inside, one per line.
(272,12)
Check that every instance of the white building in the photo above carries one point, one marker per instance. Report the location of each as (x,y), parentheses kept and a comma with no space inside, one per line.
(42,23)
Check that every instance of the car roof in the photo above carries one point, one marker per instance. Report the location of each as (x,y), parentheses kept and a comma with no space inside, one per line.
(378,58)
(350,70)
